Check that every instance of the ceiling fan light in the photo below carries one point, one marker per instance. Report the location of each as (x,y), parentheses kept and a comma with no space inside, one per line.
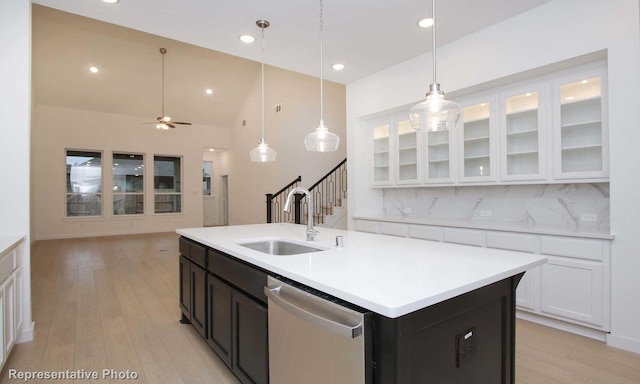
(321,140)
(263,153)
(162,126)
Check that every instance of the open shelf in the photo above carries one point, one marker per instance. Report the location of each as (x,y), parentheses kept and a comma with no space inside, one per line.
(581,124)
(581,147)
(479,138)
(522,133)
(476,157)
(439,161)
(523,153)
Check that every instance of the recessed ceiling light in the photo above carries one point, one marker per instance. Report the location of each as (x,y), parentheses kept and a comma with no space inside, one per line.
(569,98)
(425,23)
(247,39)
(584,81)
(211,150)
(338,67)
(110,1)
(209,91)
(93,69)
(528,94)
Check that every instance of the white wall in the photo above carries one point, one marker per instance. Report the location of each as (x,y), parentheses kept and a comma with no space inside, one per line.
(15,106)
(284,131)
(57,129)
(557,31)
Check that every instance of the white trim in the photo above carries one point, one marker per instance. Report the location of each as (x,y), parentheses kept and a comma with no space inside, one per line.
(625,343)
(562,325)
(26,334)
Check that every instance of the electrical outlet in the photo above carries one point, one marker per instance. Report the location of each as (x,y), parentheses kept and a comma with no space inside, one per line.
(589,217)
(407,210)
(277,107)
(466,346)
(486,213)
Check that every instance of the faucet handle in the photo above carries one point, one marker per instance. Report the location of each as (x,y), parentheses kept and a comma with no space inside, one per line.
(311,234)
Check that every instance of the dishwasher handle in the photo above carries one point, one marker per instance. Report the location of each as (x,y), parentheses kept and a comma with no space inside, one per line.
(333,325)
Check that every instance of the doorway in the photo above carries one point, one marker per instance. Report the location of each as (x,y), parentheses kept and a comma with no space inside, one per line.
(224,200)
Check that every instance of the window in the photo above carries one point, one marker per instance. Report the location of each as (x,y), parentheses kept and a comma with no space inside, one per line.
(166,184)
(207,169)
(84,183)
(128,184)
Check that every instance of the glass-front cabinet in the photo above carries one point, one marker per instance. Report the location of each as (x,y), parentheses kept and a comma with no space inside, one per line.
(407,152)
(548,129)
(381,154)
(522,135)
(476,138)
(581,134)
(439,163)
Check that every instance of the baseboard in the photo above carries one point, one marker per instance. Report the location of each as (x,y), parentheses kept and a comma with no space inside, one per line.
(26,335)
(563,326)
(631,345)
(102,234)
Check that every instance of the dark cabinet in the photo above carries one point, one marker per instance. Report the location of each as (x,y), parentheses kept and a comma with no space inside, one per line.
(193,288)
(219,317)
(223,298)
(250,341)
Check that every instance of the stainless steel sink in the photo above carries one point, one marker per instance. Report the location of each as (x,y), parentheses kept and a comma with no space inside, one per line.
(280,247)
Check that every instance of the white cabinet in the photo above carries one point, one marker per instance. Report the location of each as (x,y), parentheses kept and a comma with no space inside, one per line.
(549,129)
(8,292)
(11,292)
(396,151)
(581,134)
(523,149)
(573,287)
(439,157)
(477,140)
(381,154)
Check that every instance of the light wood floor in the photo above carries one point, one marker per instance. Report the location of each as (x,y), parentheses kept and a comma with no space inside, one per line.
(112,303)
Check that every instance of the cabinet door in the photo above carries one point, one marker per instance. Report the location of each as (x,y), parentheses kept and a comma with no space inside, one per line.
(573,289)
(219,318)
(250,342)
(527,290)
(477,137)
(522,135)
(185,286)
(19,276)
(408,153)
(9,291)
(381,154)
(439,157)
(198,298)
(580,125)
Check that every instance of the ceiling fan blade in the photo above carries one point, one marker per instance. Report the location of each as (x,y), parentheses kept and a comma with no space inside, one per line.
(180,122)
(170,125)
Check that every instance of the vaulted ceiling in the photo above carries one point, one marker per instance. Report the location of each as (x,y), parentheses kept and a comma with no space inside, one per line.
(204,51)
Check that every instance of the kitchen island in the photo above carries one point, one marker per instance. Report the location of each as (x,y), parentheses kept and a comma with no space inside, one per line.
(425,297)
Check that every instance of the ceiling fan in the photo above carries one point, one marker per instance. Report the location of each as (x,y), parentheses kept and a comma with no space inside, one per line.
(164,122)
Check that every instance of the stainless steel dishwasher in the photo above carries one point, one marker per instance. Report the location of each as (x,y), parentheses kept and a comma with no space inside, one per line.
(314,339)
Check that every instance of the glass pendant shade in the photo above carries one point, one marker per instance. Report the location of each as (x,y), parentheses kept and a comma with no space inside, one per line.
(263,153)
(321,140)
(435,113)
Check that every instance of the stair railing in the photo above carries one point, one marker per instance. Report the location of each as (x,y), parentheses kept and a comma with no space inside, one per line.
(328,193)
(275,201)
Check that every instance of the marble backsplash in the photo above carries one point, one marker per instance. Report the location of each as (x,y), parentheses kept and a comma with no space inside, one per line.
(579,206)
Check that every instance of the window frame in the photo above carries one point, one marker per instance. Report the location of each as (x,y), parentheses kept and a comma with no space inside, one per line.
(172,193)
(67,194)
(124,194)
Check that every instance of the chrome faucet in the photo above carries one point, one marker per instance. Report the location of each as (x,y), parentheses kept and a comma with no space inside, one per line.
(311,233)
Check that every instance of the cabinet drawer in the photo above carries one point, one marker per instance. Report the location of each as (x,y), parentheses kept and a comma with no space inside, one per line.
(511,241)
(183,246)
(578,248)
(198,254)
(7,264)
(243,276)
(424,232)
(394,229)
(462,236)
(366,226)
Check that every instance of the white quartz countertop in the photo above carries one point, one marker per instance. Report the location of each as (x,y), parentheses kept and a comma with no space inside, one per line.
(389,275)
(9,241)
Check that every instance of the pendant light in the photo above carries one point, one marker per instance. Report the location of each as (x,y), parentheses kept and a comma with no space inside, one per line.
(262,153)
(321,140)
(435,113)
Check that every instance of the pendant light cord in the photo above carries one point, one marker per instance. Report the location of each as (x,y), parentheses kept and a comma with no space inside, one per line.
(262,80)
(321,59)
(433,37)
